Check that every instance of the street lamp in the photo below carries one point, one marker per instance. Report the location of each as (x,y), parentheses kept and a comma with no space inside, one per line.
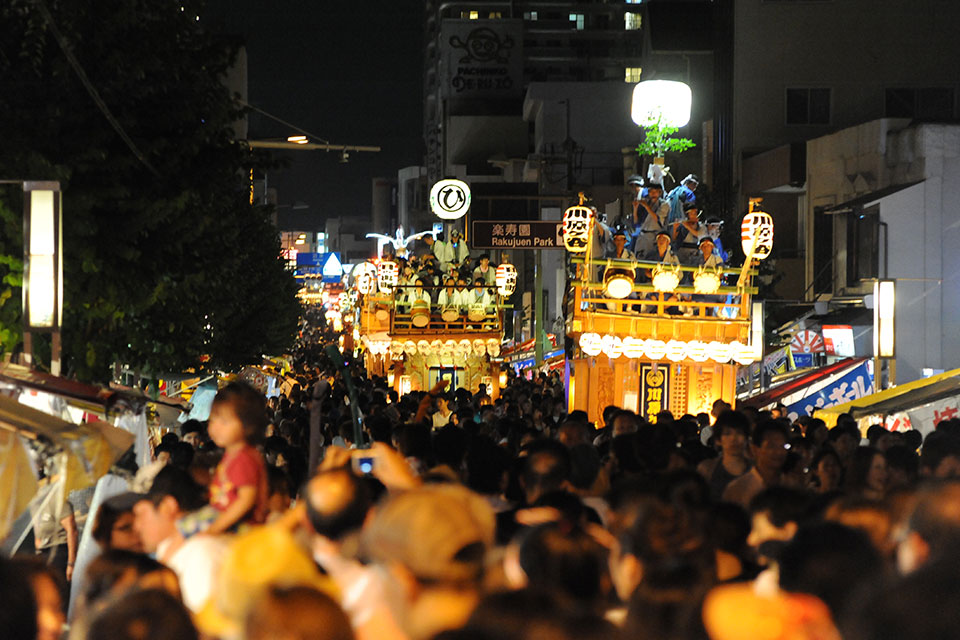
(42,266)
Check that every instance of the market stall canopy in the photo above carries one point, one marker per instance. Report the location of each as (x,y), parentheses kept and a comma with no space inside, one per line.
(91,448)
(904,397)
(840,382)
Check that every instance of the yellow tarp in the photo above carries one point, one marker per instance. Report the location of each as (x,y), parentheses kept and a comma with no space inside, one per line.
(830,414)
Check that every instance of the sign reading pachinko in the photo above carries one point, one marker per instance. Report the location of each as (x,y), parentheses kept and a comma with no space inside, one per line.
(482,58)
(834,390)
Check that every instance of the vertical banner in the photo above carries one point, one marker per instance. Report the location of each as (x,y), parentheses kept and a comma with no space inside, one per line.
(654,390)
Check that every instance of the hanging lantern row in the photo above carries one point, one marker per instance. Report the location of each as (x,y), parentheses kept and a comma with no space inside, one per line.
(593,344)
(506,279)
(577,227)
(459,349)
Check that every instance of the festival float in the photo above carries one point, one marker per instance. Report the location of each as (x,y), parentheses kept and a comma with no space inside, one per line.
(670,341)
(412,341)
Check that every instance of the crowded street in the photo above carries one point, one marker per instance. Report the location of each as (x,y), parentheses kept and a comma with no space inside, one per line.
(574,321)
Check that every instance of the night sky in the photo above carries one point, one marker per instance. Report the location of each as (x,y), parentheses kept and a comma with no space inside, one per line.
(349,72)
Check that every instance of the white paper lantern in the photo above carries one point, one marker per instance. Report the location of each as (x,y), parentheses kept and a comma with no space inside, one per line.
(697,351)
(665,101)
(506,279)
(396,348)
(365,277)
(423,347)
(493,350)
(618,282)
(388,274)
(742,353)
(577,226)
(450,199)
(463,348)
(436,347)
(479,347)
(676,350)
(760,225)
(612,346)
(590,343)
(719,352)
(633,347)
(410,347)
(655,349)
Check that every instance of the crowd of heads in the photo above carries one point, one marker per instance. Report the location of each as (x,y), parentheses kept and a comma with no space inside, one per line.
(457,515)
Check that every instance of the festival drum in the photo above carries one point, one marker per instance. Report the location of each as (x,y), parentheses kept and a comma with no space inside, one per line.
(450,314)
(420,313)
(476,312)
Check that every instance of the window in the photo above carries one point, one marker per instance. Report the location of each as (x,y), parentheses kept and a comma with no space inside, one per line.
(530,15)
(631,21)
(632,74)
(469,15)
(863,246)
(932,103)
(577,20)
(808,106)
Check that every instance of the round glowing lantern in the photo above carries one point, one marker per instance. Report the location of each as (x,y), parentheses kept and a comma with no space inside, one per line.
(719,352)
(493,347)
(706,281)
(396,349)
(450,199)
(436,347)
(665,279)
(612,346)
(618,282)
(388,274)
(577,226)
(676,350)
(756,231)
(590,343)
(743,353)
(697,351)
(463,347)
(410,347)
(479,347)
(663,102)
(655,349)
(633,347)
(365,277)
(506,279)
(423,347)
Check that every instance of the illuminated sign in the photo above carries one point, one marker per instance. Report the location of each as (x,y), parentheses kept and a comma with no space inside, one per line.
(838,340)
(654,390)
(450,199)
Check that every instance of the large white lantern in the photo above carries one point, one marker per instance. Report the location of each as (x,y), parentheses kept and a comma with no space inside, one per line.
(612,346)
(388,274)
(396,349)
(665,101)
(591,343)
(743,353)
(493,347)
(655,349)
(676,350)
(633,347)
(479,347)
(410,347)
(450,199)
(506,279)
(436,347)
(365,277)
(706,281)
(43,260)
(719,352)
(577,225)
(423,347)
(697,351)
(756,232)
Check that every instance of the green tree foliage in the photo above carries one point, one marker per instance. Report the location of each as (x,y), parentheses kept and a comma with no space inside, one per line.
(658,139)
(165,259)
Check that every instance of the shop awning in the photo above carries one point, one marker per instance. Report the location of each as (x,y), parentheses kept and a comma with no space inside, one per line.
(796,389)
(904,397)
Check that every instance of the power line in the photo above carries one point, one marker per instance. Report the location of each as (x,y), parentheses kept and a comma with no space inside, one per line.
(94,94)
